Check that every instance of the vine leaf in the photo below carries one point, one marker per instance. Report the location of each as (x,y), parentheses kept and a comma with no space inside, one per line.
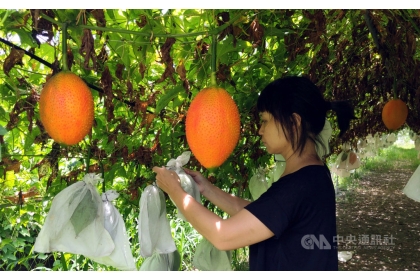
(164,100)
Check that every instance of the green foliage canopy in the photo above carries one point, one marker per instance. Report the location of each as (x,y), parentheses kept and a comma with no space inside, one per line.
(145,66)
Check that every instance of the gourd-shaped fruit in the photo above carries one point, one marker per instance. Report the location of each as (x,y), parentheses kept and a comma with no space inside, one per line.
(212,126)
(394,114)
(66,108)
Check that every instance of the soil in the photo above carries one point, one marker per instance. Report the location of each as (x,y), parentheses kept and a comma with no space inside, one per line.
(378,223)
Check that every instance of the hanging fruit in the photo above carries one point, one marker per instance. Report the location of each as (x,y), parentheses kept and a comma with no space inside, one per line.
(66,105)
(212,126)
(66,108)
(212,123)
(394,114)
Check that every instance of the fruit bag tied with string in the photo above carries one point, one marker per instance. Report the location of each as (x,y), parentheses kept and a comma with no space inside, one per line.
(121,257)
(187,182)
(75,222)
(153,226)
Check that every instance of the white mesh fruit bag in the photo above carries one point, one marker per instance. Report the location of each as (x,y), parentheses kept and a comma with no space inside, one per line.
(75,222)
(153,226)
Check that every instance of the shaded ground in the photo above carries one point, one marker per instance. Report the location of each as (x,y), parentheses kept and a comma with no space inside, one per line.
(379,224)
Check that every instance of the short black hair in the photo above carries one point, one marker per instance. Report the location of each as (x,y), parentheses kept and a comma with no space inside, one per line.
(294,94)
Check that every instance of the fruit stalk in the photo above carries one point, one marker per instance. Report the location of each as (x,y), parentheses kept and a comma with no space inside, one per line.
(394,88)
(213,80)
(64,45)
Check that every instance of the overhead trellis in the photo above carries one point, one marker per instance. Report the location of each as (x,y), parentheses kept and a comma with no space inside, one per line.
(145,66)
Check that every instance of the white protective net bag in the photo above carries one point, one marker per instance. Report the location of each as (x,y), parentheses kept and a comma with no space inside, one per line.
(75,222)
(121,258)
(153,229)
(324,137)
(258,183)
(412,188)
(275,173)
(162,262)
(209,258)
(187,182)
(347,162)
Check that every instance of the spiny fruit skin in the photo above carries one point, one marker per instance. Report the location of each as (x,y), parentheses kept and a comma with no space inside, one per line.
(66,108)
(394,114)
(212,126)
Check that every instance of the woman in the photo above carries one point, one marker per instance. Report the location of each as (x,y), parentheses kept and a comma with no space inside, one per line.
(293,224)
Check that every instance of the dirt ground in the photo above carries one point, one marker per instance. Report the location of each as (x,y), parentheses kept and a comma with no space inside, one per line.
(379,224)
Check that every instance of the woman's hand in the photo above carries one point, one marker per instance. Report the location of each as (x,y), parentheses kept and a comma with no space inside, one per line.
(167,180)
(202,183)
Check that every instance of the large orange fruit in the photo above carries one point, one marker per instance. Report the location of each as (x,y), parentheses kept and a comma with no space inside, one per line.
(66,108)
(394,114)
(212,126)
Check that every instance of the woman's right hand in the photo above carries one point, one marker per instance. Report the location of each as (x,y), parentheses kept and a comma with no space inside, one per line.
(199,179)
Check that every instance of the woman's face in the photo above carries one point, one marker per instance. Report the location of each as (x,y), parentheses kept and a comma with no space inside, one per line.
(272,136)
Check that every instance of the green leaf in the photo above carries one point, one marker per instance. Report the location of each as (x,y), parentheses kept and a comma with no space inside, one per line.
(85,212)
(29,139)
(279,32)
(24,232)
(76,33)
(67,14)
(4,242)
(167,97)
(10,256)
(25,37)
(3,131)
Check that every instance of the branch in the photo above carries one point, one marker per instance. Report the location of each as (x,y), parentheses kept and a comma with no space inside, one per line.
(46,63)
(37,58)
(372,30)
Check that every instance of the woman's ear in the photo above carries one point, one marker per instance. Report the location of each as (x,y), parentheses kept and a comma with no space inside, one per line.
(297,119)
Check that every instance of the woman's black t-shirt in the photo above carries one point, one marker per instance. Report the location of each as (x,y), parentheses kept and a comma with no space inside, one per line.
(300,210)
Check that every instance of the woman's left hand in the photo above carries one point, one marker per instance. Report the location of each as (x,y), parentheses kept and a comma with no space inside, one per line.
(167,180)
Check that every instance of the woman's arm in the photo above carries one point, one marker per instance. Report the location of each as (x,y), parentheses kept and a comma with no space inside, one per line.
(242,229)
(229,203)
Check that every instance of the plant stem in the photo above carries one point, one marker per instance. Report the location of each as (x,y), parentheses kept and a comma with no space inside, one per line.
(394,88)
(213,80)
(88,160)
(63,262)
(4,18)
(64,45)
(103,175)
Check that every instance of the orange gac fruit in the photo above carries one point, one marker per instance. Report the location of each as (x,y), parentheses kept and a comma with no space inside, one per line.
(66,108)
(394,114)
(212,126)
